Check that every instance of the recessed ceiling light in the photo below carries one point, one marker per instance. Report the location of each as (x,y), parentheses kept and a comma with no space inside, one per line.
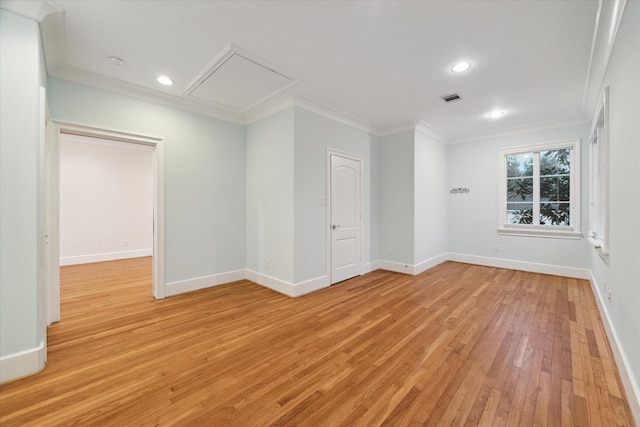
(495,114)
(115,60)
(164,80)
(461,67)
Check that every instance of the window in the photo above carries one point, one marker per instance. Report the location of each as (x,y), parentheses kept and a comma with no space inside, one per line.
(598,178)
(539,194)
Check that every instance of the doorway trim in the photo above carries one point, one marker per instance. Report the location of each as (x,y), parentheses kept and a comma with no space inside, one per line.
(334,152)
(158,190)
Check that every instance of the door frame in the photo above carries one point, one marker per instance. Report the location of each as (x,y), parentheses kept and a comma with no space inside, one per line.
(354,157)
(158,194)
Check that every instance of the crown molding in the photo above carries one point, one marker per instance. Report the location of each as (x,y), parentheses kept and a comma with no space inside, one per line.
(127,89)
(416,126)
(331,113)
(519,130)
(36,10)
(607,23)
(428,130)
(269,109)
(395,128)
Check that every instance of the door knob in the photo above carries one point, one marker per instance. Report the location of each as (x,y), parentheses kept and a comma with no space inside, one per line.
(334,226)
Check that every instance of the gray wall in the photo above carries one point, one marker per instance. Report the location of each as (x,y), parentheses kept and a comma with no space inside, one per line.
(270,220)
(205,174)
(473,217)
(430,198)
(623,272)
(396,197)
(22,71)
(314,134)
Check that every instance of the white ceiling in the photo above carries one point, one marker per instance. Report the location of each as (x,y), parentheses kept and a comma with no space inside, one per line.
(382,63)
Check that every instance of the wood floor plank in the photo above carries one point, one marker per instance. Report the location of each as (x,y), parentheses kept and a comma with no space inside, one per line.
(457,345)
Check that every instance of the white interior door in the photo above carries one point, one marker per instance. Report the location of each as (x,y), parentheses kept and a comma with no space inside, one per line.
(346,232)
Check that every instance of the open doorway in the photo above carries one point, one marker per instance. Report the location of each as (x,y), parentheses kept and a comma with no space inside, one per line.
(106,200)
(57,131)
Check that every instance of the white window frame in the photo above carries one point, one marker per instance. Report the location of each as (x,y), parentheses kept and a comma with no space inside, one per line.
(598,233)
(561,232)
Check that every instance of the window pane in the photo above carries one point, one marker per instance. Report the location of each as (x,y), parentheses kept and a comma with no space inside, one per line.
(555,162)
(520,213)
(555,189)
(520,165)
(554,214)
(520,190)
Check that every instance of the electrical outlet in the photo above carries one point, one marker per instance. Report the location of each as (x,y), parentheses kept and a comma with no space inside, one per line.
(497,248)
(390,250)
(609,295)
(126,243)
(266,263)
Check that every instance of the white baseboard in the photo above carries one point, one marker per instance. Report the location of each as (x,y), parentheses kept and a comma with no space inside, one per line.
(556,270)
(368,267)
(21,364)
(288,288)
(107,256)
(179,287)
(430,263)
(311,285)
(630,385)
(281,286)
(412,269)
(397,267)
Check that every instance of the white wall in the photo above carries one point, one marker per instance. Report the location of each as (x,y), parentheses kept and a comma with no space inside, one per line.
(473,217)
(22,70)
(396,197)
(314,134)
(270,220)
(622,275)
(106,200)
(205,175)
(430,203)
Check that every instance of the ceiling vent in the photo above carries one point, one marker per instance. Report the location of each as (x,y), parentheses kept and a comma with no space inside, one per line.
(238,81)
(450,98)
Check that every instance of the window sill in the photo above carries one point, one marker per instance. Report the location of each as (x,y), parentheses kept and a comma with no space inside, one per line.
(597,245)
(533,232)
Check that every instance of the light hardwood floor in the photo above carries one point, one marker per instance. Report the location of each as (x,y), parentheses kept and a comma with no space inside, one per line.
(457,345)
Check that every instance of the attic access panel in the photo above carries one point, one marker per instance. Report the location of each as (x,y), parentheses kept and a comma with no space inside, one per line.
(238,82)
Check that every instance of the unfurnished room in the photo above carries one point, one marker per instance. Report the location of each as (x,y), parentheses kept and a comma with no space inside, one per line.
(319,213)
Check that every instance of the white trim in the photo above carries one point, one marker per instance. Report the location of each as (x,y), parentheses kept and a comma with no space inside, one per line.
(107,256)
(268,110)
(533,267)
(332,113)
(631,387)
(311,285)
(538,232)
(108,84)
(396,128)
(413,269)
(396,267)
(428,130)
(419,126)
(280,286)
(370,266)
(430,263)
(158,188)
(179,287)
(519,130)
(23,363)
(287,288)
